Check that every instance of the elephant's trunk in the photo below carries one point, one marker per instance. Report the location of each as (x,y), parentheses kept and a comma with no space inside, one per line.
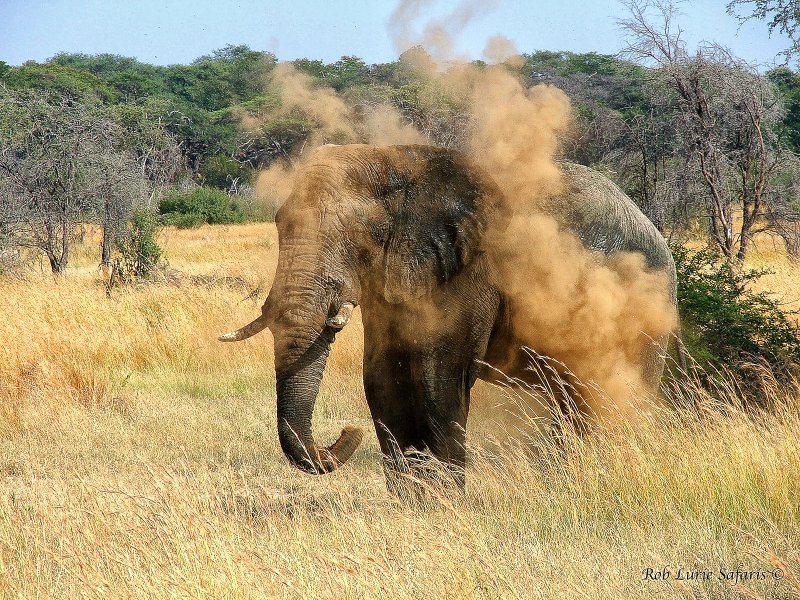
(297,386)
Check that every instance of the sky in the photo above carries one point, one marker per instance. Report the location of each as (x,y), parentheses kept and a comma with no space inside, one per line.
(167,32)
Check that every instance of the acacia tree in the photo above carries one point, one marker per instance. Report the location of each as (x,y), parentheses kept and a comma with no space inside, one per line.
(642,157)
(781,15)
(141,137)
(63,162)
(726,115)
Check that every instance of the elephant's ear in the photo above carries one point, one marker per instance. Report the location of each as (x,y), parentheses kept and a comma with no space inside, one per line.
(436,220)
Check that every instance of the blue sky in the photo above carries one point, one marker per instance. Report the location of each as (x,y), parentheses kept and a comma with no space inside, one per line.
(178,31)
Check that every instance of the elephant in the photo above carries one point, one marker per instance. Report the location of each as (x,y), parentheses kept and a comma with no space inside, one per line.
(400,232)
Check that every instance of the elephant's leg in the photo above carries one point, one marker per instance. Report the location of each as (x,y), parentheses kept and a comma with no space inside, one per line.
(559,392)
(562,393)
(420,416)
(654,359)
(445,410)
(394,404)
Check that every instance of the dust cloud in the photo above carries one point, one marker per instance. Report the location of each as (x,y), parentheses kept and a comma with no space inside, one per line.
(330,114)
(274,184)
(385,126)
(594,313)
(334,122)
(438,36)
(499,49)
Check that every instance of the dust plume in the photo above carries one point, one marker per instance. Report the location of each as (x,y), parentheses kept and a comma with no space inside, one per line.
(499,49)
(438,36)
(516,132)
(274,184)
(595,313)
(385,126)
(333,122)
(299,95)
(400,22)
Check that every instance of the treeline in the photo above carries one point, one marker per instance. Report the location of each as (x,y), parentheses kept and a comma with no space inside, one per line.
(701,141)
(705,144)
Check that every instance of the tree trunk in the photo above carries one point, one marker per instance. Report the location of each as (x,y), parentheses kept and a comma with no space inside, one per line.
(108,236)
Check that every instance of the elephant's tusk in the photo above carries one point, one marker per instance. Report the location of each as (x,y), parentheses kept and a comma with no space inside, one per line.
(342,317)
(245,332)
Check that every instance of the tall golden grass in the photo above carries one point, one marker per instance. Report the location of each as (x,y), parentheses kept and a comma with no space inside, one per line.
(139,459)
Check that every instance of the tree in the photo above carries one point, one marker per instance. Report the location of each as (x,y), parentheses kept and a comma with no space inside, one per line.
(641,154)
(728,326)
(131,79)
(58,80)
(788,83)
(727,116)
(782,15)
(139,254)
(199,206)
(242,70)
(347,72)
(279,137)
(316,68)
(143,138)
(617,127)
(62,164)
(51,162)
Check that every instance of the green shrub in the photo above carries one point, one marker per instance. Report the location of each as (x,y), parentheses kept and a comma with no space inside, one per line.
(199,206)
(183,221)
(138,252)
(728,326)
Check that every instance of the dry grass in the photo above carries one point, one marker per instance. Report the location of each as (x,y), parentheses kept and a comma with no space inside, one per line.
(139,458)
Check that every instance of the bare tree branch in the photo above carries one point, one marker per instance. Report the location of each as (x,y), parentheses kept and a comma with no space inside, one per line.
(726,115)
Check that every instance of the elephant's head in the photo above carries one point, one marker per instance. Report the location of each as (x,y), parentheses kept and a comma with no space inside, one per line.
(376,226)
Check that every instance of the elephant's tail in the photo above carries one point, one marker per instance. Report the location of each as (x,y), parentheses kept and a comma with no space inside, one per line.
(245,332)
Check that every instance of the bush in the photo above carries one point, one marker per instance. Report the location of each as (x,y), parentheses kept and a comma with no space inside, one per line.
(728,326)
(139,253)
(199,206)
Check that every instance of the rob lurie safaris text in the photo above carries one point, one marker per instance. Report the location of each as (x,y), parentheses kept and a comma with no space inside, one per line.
(722,574)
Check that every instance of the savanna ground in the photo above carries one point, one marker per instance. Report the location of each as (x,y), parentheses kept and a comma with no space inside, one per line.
(139,458)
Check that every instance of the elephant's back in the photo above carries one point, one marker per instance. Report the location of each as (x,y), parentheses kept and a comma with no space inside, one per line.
(605,219)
